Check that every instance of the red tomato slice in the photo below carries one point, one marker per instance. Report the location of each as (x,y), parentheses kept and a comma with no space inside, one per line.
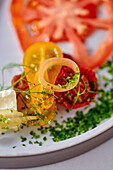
(46,21)
(56,20)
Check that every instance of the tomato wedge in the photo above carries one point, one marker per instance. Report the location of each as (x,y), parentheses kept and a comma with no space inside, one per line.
(56,20)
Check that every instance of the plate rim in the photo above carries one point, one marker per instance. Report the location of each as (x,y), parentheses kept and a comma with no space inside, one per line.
(68,142)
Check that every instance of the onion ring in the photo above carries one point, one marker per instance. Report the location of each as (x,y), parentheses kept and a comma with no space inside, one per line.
(58,61)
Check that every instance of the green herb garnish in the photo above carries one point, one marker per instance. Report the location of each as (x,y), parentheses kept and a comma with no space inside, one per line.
(34,135)
(30,142)
(14,147)
(23,139)
(23,144)
(44,138)
(69,81)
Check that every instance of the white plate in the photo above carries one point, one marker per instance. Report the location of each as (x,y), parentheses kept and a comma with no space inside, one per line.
(10,51)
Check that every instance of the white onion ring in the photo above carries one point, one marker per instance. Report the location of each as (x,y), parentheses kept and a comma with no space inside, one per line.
(59,61)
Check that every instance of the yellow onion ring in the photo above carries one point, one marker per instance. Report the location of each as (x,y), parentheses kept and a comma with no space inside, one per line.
(58,61)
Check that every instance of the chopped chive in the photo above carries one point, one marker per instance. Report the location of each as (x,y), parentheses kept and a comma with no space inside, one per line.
(23,144)
(14,147)
(23,139)
(36,142)
(45,138)
(34,135)
(40,143)
(30,142)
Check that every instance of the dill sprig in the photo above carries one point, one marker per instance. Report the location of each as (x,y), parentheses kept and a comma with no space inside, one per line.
(21,78)
(79,94)
(9,66)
